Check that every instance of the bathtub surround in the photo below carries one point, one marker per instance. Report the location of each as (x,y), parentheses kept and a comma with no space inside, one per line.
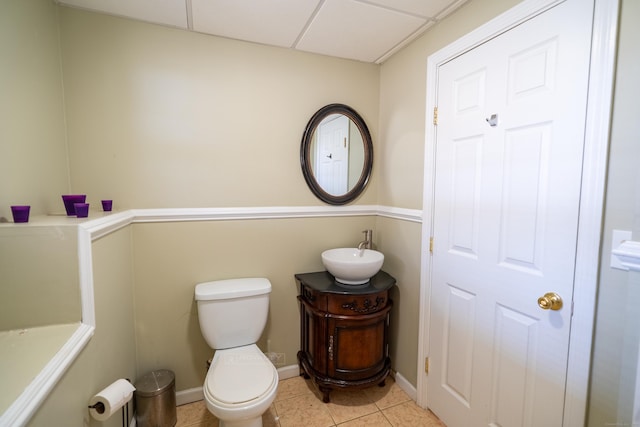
(46,295)
(24,355)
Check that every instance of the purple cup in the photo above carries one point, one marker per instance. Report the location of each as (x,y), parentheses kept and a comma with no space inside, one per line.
(81,209)
(70,199)
(107,205)
(20,213)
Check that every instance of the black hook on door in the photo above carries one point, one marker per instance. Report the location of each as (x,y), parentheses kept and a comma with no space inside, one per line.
(493,120)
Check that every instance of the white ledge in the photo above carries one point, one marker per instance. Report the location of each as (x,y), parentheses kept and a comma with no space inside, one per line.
(628,254)
(34,394)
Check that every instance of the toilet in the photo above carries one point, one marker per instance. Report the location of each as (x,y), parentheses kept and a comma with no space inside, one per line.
(242,382)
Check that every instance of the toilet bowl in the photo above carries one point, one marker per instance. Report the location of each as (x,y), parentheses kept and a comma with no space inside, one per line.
(240,386)
(241,382)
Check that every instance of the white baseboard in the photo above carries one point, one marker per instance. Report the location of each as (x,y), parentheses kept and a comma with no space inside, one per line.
(406,386)
(189,396)
(290,371)
(195,394)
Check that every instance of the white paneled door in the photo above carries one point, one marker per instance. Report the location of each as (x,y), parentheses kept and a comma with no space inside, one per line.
(510,133)
(332,154)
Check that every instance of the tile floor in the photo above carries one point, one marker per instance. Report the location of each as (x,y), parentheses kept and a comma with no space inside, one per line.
(299,403)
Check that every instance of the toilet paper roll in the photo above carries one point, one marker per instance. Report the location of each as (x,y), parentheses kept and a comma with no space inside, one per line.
(109,400)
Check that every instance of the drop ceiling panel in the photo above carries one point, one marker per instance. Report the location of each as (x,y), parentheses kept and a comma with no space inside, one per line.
(352,29)
(364,30)
(425,9)
(274,22)
(167,12)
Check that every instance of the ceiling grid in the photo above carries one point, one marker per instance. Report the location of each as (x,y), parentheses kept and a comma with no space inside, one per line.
(362,30)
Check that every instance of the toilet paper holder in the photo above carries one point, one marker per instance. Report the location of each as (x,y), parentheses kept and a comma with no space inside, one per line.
(100,408)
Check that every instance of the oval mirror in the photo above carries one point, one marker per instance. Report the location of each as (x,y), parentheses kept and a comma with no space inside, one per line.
(336,154)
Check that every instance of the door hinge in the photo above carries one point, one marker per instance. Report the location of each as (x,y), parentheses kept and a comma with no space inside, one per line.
(435,116)
(430,244)
(426,365)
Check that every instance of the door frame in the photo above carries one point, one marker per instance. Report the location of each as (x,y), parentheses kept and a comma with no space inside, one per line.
(597,126)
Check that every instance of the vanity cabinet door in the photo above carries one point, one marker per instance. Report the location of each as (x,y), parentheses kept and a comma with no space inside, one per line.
(313,336)
(358,347)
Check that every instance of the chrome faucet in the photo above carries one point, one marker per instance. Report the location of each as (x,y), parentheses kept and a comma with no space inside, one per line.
(367,242)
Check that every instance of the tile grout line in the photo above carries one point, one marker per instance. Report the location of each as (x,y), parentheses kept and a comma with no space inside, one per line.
(306,391)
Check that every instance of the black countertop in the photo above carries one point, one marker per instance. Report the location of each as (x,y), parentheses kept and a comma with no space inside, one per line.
(323,281)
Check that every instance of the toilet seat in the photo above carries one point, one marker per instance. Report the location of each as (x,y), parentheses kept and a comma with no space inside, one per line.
(239,375)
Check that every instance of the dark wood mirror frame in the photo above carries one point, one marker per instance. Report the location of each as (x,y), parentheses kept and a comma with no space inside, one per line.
(305,154)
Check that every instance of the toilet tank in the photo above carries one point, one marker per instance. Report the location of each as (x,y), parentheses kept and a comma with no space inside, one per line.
(232,312)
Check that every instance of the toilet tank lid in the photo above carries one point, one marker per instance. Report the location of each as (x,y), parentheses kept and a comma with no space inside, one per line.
(232,288)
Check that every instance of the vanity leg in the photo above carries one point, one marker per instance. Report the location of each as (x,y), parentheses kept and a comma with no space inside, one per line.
(325,394)
(303,373)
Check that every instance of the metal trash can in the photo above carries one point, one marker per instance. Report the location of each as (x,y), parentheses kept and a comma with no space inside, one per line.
(156,399)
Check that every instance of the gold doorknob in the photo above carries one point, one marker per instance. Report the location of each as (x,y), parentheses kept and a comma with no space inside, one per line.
(550,301)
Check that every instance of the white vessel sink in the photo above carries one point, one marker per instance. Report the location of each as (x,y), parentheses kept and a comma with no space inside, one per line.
(352,266)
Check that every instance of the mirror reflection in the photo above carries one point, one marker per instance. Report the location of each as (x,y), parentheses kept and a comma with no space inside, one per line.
(336,154)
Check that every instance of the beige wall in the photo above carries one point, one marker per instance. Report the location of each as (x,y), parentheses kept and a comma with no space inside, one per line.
(160,117)
(33,156)
(111,352)
(170,259)
(400,242)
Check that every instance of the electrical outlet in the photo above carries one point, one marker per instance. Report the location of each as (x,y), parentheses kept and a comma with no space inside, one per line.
(278,359)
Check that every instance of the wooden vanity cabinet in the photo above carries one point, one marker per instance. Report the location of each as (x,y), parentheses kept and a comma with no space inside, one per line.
(344,331)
